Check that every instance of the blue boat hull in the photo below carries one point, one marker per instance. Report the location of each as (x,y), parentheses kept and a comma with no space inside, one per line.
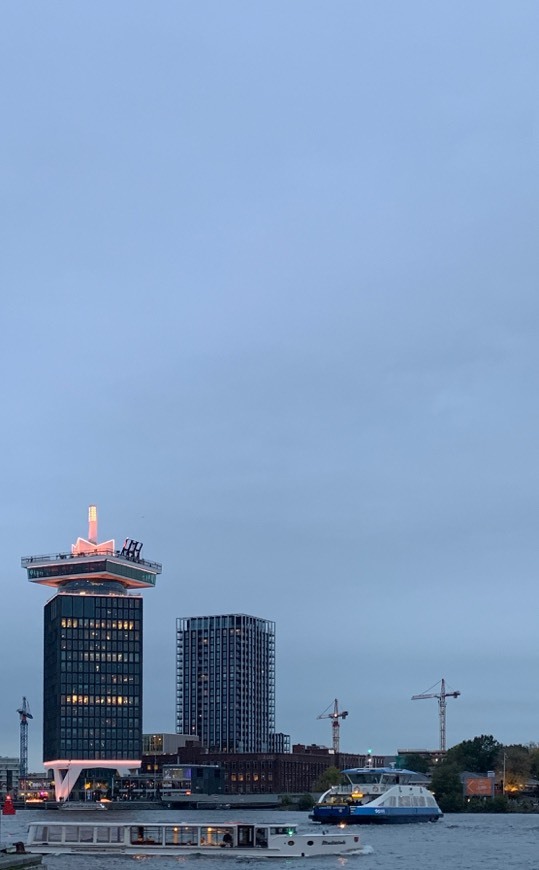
(365,815)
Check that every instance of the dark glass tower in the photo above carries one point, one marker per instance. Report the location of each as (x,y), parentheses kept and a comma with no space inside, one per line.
(225,681)
(92,676)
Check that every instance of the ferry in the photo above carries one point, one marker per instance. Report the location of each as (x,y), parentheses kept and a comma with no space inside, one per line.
(377,795)
(224,840)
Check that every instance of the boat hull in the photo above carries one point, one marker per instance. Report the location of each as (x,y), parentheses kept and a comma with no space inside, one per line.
(299,851)
(366,815)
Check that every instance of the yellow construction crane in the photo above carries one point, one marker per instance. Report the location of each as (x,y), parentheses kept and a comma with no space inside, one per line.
(335,715)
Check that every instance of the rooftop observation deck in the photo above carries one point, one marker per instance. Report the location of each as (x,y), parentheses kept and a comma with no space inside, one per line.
(58,569)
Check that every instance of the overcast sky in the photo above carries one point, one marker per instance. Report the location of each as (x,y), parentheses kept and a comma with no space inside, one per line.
(269,299)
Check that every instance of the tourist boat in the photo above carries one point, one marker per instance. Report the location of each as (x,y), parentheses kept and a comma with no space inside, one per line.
(233,839)
(376,795)
(83,806)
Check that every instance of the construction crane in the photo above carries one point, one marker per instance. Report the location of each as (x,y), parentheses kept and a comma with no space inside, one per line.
(442,704)
(335,725)
(25,715)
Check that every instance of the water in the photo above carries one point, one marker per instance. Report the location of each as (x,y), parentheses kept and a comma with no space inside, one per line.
(457,842)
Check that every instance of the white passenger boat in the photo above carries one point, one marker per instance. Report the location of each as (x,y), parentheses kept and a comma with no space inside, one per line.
(233,839)
(376,795)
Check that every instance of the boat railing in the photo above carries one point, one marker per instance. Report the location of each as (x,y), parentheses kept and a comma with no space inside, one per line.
(365,787)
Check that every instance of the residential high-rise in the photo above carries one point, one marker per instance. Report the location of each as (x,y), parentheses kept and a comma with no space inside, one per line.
(92,676)
(225,681)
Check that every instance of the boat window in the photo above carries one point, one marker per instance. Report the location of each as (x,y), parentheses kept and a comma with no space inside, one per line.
(261,838)
(287,831)
(396,778)
(108,834)
(72,834)
(227,838)
(431,802)
(363,778)
(39,834)
(86,833)
(55,834)
(211,836)
(245,835)
(405,801)
(145,835)
(181,835)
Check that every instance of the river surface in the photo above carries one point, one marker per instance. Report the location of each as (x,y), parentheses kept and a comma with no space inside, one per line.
(462,842)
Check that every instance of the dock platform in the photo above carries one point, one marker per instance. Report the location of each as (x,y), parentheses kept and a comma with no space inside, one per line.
(14,861)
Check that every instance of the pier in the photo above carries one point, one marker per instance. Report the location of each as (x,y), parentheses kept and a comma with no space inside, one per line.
(16,861)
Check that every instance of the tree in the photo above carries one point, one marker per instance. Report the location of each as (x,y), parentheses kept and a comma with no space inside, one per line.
(416,762)
(533,749)
(330,776)
(477,755)
(305,802)
(447,787)
(496,804)
(516,763)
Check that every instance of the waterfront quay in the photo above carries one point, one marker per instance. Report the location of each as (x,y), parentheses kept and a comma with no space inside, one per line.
(11,861)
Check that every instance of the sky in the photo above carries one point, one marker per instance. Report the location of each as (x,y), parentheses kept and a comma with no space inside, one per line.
(269,299)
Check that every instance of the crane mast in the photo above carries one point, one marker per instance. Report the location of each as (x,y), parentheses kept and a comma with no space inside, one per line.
(335,715)
(24,715)
(442,695)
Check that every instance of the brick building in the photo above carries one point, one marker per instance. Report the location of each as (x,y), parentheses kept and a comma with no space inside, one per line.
(295,772)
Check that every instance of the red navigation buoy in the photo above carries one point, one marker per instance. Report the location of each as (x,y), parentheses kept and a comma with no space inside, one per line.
(7,808)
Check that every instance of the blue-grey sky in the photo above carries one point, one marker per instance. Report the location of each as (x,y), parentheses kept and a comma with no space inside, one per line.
(269,298)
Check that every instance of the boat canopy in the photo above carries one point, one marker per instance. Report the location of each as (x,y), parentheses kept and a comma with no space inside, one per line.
(381,776)
(379,770)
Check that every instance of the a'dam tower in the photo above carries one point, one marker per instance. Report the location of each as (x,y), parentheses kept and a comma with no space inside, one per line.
(92,663)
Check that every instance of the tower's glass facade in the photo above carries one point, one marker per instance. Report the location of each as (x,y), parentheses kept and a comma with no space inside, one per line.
(92,684)
(225,681)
